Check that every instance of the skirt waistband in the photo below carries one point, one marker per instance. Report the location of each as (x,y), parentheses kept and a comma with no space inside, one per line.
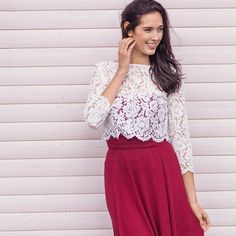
(133,143)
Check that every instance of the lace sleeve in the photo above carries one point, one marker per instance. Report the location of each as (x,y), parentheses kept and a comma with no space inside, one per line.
(97,106)
(178,129)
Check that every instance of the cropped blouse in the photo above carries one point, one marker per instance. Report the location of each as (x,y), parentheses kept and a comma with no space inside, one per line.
(139,109)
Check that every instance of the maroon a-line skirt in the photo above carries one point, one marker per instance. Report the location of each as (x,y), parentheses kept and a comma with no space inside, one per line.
(144,190)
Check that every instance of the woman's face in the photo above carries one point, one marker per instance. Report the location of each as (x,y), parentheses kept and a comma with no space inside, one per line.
(148,34)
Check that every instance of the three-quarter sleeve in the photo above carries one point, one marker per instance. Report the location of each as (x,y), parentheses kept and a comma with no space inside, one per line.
(178,130)
(97,106)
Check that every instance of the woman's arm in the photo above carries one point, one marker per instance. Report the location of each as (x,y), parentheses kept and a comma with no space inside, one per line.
(188,178)
(201,215)
(102,92)
(178,130)
(180,138)
(101,95)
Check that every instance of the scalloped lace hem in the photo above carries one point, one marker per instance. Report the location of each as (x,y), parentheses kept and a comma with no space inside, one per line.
(107,136)
(191,169)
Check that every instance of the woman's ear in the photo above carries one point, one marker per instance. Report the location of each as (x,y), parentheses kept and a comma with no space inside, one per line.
(126,23)
(126,28)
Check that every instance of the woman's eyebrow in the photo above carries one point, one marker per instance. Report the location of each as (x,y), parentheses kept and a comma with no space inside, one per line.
(152,27)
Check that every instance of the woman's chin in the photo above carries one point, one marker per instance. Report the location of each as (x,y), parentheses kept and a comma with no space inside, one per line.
(150,52)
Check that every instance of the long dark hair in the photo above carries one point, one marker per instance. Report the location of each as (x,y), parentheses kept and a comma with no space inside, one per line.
(165,69)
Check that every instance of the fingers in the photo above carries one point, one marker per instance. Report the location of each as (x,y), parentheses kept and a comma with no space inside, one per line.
(124,44)
(202,217)
(201,221)
(206,220)
(125,47)
(131,47)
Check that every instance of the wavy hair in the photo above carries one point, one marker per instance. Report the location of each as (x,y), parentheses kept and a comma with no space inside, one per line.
(165,69)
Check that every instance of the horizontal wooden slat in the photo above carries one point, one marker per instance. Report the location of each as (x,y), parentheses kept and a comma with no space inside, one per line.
(79,93)
(95,166)
(74,112)
(213,128)
(110,37)
(215,182)
(219,231)
(82,75)
(53,185)
(210,91)
(214,146)
(48,131)
(52,167)
(85,232)
(53,203)
(212,36)
(95,184)
(95,202)
(215,164)
(53,149)
(115,4)
(89,56)
(208,73)
(213,231)
(212,110)
(44,94)
(57,220)
(46,75)
(219,217)
(217,199)
(80,130)
(111,18)
(41,112)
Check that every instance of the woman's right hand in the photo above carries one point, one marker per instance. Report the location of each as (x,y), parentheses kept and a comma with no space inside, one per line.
(125,47)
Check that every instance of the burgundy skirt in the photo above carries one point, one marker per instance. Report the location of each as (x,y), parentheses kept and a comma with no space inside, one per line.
(144,190)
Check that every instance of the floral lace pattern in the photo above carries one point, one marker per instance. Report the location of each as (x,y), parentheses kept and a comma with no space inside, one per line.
(140,109)
(138,115)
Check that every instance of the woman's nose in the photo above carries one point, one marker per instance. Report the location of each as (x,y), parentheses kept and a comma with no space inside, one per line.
(155,36)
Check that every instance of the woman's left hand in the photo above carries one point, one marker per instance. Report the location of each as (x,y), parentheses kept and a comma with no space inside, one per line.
(201,215)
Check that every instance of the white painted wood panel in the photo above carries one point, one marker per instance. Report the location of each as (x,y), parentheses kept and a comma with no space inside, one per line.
(115,4)
(51,180)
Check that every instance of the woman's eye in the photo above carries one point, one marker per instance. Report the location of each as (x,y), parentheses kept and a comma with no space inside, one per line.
(148,30)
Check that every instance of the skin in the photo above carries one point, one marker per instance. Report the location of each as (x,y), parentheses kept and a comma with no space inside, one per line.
(134,50)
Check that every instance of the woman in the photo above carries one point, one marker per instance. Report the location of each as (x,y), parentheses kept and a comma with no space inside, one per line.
(148,169)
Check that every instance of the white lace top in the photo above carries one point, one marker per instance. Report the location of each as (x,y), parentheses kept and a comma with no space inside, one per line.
(140,109)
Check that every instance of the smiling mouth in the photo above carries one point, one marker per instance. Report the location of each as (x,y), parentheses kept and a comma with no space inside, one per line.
(152,45)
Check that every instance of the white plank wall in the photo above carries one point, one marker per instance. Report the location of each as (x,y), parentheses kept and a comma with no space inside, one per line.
(51,181)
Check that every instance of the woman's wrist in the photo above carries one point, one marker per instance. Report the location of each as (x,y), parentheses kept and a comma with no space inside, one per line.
(193,202)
